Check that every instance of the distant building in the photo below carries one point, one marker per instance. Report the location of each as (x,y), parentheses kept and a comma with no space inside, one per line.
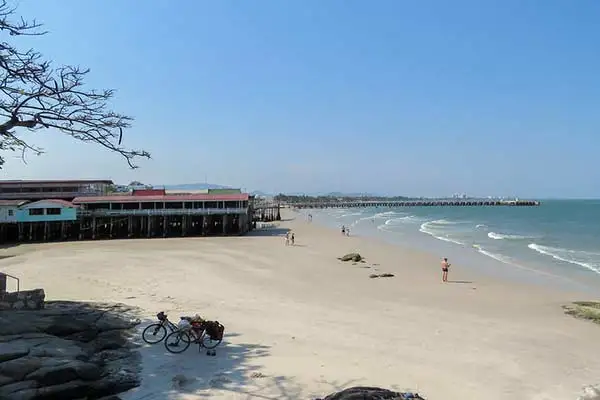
(52,189)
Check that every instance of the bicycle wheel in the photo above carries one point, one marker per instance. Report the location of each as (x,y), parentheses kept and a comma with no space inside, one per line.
(177,342)
(154,333)
(209,342)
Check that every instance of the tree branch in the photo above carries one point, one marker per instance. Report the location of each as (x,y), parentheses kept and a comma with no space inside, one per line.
(35,95)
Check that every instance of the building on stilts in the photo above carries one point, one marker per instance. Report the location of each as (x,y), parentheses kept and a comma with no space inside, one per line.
(154,213)
(83,210)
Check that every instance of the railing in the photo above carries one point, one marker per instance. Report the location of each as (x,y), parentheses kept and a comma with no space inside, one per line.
(3,282)
(162,211)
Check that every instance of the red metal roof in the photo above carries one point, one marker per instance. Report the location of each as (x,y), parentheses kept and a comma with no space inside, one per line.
(170,197)
(62,203)
(38,182)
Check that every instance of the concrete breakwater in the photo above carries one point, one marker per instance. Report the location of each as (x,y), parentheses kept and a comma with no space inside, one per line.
(415,203)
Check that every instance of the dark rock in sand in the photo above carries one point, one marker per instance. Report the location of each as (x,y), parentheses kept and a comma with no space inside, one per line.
(68,350)
(351,257)
(371,393)
(385,275)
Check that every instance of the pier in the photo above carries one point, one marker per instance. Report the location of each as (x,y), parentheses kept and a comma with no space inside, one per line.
(416,203)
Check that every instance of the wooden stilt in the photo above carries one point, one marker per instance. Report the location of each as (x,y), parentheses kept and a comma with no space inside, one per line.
(164,226)
(130,226)
(111,227)
(225,224)
(20,228)
(93,227)
(45,231)
(31,231)
(149,226)
(184,222)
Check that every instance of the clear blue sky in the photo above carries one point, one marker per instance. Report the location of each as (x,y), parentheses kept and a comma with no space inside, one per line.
(400,97)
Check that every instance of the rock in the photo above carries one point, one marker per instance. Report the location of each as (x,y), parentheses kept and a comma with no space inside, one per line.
(371,393)
(10,351)
(385,275)
(67,372)
(67,350)
(351,257)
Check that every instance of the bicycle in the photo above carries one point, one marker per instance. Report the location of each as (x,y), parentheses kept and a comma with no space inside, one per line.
(196,332)
(156,332)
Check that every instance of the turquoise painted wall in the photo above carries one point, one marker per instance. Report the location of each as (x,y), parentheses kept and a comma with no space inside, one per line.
(66,214)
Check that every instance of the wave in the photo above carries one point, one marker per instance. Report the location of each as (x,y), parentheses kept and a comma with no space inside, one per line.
(350,214)
(576,257)
(503,236)
(498,257)
(403,220)
(480,226)
(385,214)
(427,229)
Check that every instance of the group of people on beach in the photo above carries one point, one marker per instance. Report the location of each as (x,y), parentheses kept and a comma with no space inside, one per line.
(345,230)
(290,238)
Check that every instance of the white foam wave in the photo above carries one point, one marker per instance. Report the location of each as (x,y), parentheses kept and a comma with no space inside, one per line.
(386,214)
(350,214)
(495,256)
(478,226)
(403,220)
(427,228)
(584,259)
(503,236)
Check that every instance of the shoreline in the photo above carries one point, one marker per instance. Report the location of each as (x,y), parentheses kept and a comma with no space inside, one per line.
(548,275)
(302,324)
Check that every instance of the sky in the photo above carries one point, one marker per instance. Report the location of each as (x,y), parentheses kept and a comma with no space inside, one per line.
(419,98)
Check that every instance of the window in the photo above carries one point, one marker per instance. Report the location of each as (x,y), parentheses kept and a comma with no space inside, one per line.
(52,211)
(36,211)
(11,213)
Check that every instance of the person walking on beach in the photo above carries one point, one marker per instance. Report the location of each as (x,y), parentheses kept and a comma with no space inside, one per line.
(445,268)
(287,238)
(292,239)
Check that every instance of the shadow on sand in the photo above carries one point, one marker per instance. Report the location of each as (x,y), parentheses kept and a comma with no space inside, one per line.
(236,369)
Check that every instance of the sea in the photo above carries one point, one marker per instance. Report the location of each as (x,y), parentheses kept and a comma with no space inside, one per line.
(555,244)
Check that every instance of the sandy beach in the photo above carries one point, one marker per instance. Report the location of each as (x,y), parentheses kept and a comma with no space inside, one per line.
(301,324)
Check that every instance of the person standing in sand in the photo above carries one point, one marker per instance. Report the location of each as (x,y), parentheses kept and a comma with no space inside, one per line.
(292,239)
(445,268)
(287,238)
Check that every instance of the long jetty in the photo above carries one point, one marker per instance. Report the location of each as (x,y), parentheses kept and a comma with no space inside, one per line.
(415,203)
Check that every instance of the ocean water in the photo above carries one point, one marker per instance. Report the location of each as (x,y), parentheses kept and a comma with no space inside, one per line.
(556,243)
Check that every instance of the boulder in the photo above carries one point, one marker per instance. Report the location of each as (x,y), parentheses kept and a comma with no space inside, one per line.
(351,257)
(68,350)
(371,393)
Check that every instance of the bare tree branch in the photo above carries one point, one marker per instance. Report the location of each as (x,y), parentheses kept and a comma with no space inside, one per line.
(35,95)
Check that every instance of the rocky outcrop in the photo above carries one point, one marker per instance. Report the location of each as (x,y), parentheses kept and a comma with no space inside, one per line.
(371,393)
(351,257)
(68,350)
(23,300)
